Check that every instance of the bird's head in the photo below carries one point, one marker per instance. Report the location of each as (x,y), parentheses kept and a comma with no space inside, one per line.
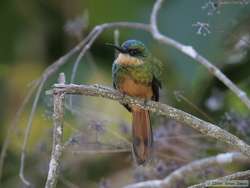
(131,52)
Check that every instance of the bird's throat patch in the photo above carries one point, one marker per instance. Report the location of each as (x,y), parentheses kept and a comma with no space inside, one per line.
(125,59)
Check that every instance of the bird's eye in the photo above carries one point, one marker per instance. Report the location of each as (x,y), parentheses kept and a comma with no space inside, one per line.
(133,52)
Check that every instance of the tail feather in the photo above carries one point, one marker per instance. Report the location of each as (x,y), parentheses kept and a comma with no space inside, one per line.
(142,135)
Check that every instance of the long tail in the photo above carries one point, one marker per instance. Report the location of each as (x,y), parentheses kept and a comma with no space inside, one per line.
(142,135)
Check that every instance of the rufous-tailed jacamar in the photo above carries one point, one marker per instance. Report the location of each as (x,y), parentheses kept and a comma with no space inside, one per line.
(136,72)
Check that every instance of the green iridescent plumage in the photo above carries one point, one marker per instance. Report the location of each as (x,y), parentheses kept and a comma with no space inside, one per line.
(139,73)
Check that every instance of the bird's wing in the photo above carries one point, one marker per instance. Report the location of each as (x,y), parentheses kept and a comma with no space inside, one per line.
(114,70)
(157,69)
(114,85)
(156,85)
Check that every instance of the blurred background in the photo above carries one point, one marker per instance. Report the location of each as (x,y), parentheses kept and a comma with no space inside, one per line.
(97,136)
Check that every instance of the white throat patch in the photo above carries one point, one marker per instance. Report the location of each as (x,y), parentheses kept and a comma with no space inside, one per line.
(125,59)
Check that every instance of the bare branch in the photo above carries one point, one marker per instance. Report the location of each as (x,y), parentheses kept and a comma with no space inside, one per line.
(27,133)
(96,32)
(154,14)
(57,147)
(116,40)
(224,79)
(100,151)
(203,127)
(117,37)
(146,184)
(191,52)
(47,73)
(198,165)
(84,45)
(91,38)
(186,170)
(236,176)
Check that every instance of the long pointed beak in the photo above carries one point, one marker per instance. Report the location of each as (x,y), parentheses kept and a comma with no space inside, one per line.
(116,47)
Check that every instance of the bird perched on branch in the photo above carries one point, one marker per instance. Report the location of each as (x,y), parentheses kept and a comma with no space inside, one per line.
(137,73)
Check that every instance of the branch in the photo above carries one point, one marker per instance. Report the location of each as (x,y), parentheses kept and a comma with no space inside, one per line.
(116,40)
(191,52)
(46,74)
(27,133)
(236,176)
(84,45)
(203,127)
(57,147)
(220,159)
(186,170)
(97,31)
(154,14)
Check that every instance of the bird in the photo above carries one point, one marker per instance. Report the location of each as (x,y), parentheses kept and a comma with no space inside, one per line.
(136,72)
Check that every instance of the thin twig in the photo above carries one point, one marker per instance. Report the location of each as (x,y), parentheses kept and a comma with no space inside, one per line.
(85,44)
(93,35)
(96,32)
(57,147)
(151,28)
(191,52)
(27,133)
(47,73)
(14,125)
(146,184)
(100,151)
(203,127)
(116,40)
(180,97)
(154,15)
